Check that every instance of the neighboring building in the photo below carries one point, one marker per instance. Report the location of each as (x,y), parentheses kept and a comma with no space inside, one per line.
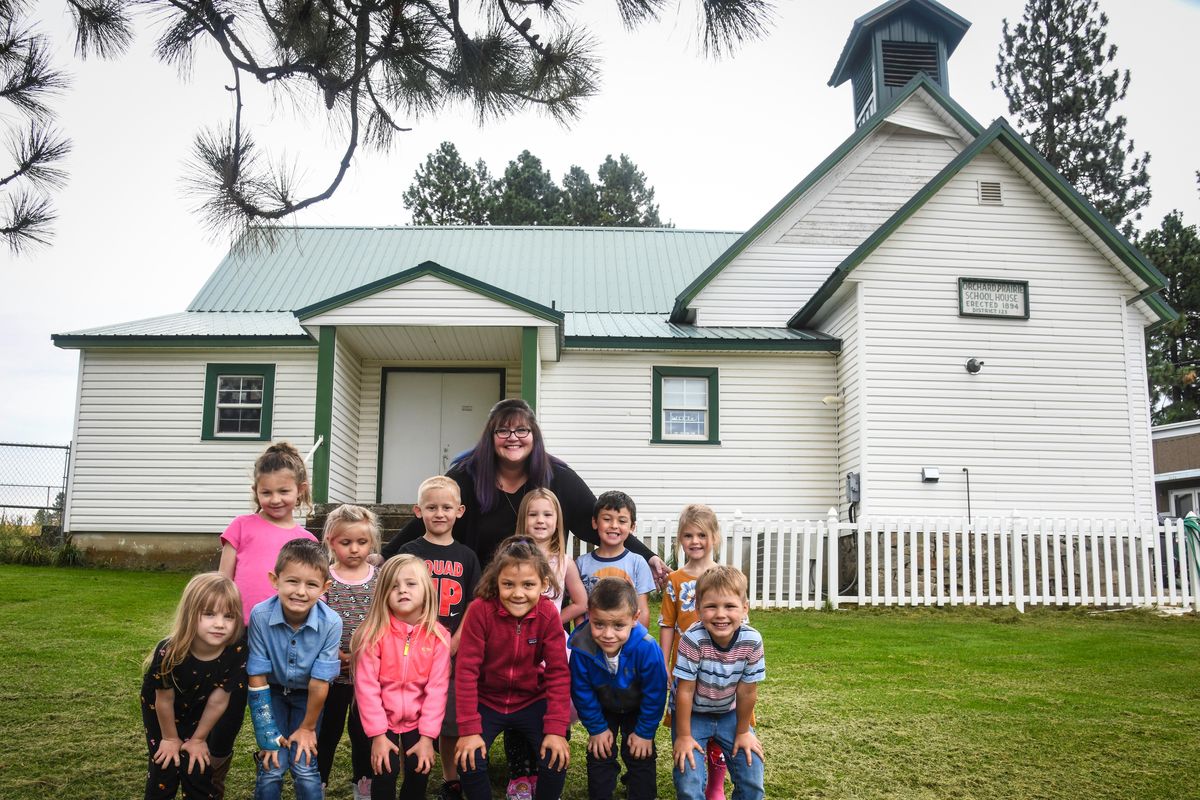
(932,299)
(1177,468)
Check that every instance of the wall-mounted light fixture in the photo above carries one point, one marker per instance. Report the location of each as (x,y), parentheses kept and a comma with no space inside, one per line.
(831,400)
(974,365)
(930,475)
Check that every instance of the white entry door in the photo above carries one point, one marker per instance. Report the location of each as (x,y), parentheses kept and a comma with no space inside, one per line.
(428,418)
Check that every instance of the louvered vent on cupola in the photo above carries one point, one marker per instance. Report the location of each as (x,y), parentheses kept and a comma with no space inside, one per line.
(891,45)
(990,193)
(903,60)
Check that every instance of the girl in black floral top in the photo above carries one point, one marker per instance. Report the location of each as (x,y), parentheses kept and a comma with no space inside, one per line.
(189,677)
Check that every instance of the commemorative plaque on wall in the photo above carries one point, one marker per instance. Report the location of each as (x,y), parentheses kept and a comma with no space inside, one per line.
(988,297)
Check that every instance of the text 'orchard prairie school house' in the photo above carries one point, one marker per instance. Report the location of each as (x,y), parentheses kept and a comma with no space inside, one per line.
(932,297)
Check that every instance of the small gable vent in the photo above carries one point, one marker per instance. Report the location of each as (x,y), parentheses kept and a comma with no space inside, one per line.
(903,60)
(989,193)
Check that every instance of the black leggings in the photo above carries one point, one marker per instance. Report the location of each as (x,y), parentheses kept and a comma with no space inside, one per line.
(338,705)
(383,786)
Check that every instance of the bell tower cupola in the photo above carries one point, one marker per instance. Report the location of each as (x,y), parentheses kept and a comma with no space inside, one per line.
(890,45)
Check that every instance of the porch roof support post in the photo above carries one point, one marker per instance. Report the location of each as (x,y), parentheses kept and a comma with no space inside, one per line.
(323,426)
(529,366)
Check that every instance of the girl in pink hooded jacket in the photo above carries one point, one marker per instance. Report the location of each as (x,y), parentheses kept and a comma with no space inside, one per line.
(401,661)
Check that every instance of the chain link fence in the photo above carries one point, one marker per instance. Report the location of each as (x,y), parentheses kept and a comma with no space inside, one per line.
(33,482)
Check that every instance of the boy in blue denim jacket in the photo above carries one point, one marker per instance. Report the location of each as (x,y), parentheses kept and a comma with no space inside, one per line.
(619,686)
(293,657)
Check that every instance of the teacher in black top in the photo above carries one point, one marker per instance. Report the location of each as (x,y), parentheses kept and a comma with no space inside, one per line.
(509,460)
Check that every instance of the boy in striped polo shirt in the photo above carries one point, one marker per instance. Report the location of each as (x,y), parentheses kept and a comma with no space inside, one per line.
(718,667)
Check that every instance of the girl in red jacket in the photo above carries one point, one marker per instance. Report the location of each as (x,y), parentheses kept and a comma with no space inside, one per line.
(511,672)
(401,659)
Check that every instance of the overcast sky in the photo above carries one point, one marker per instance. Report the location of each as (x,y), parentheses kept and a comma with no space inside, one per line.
(720,141)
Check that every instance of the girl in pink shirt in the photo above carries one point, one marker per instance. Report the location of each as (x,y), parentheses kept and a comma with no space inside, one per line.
(401,658)
(251,543)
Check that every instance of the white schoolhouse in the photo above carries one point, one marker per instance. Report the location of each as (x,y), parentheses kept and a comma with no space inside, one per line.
(931,317)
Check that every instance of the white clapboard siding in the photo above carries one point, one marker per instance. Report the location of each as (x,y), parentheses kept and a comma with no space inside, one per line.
(1046,425)
(343,447)
(139,464)
(777,448)
(370,399)
(843,323)
(923,114)
(774,276)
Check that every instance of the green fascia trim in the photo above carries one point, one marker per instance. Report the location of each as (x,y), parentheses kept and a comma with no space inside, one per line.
(875,15)
(999,132)
(1165,313)
(652,343)
(529,366)
(920,81)
(208,424)
(440,272)
(714,415)
(68,341)
(324,414)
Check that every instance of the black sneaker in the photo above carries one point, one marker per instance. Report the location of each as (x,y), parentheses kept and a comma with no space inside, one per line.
(451,790)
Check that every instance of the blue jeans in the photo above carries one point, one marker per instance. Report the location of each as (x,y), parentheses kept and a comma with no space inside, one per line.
(722,728)
(306,777)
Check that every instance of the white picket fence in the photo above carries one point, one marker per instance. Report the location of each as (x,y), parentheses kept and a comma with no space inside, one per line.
(993,561)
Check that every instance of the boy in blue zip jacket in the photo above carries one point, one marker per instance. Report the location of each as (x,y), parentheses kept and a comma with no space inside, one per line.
(619,686)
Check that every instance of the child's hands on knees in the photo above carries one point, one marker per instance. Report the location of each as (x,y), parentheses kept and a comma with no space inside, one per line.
(269,759)
(305,740)
(198,755)
(639,747)
(381,750)
(464,751)
(168,751)
(559,750)
(423,750)
(749,742)
(684,751)
(600,745)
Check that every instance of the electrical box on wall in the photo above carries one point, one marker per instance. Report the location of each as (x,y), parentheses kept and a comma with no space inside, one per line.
(852,487)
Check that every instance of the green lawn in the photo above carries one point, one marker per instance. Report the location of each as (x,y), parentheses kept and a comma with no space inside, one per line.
(896,703)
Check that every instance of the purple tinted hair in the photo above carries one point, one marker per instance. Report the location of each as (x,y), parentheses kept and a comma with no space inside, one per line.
(480,462)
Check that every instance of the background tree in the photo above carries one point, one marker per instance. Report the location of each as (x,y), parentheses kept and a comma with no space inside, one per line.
(445,191)
(527,195)
(580,198)
(362,67)
(1173,352)
(624,197)
(1056,69)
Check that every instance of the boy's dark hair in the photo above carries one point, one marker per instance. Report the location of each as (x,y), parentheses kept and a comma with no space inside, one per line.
(615,501)
(613,594)
(306,553)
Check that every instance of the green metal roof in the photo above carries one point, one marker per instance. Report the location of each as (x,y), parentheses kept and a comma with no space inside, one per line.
(627,270)
(273,328)
(650,331)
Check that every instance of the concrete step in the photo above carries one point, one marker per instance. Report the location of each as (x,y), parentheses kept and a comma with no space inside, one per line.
(392,517)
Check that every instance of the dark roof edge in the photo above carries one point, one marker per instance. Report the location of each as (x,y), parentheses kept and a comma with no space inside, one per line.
(70,341)
(999,131)
(920,81)
(829,345)
(437,271)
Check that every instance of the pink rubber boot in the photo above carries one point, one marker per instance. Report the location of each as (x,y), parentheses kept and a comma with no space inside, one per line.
(716,773)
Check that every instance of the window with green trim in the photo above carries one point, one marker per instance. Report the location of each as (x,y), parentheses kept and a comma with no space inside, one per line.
(685,406)
(238,400)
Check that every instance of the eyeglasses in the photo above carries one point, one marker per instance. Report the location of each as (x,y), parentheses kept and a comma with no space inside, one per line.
(520,433)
